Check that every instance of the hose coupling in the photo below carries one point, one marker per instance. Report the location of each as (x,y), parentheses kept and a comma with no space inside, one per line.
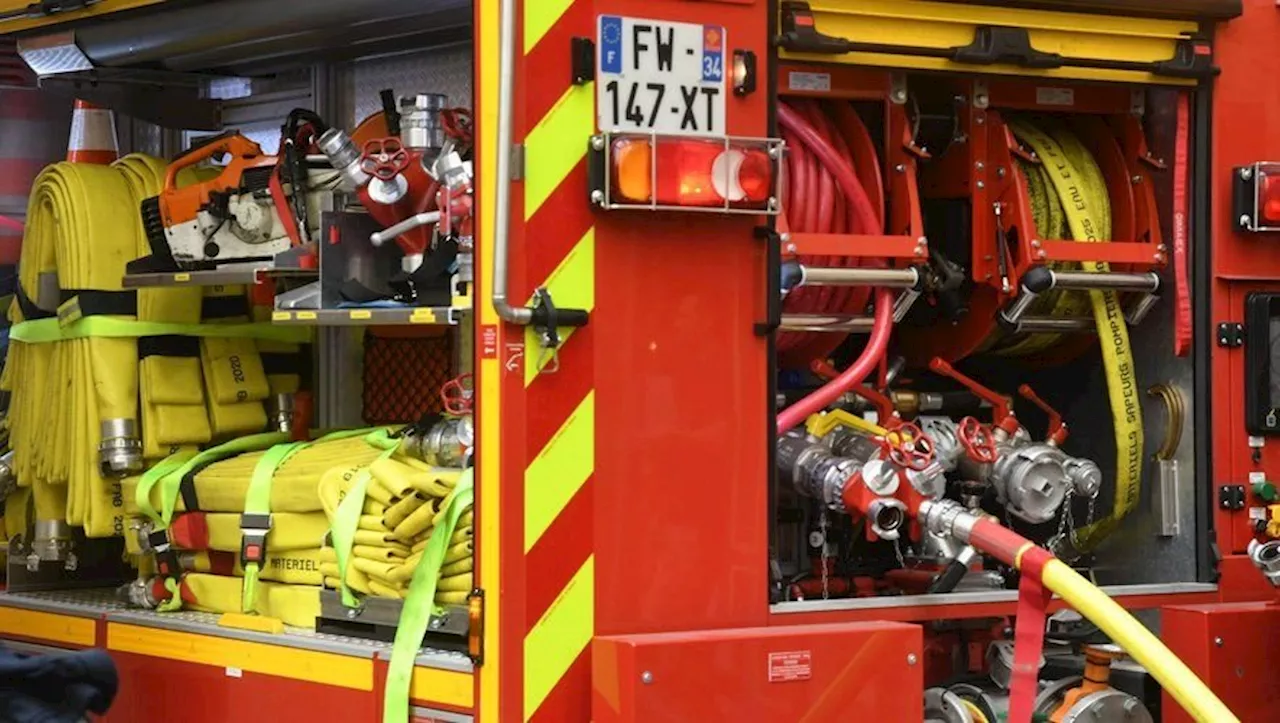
(120,451)
(8,475)
(282,413)
(51,542)
(1085,476)
(947,518)
(887,515)
(345,157)
(1266,557)
(447,443)
(139,593)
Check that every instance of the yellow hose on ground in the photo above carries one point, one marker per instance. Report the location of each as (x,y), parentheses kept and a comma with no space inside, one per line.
(1081,192)
(1172,674)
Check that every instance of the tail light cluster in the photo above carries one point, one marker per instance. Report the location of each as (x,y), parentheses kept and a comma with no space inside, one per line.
(678,173)
(1256,197)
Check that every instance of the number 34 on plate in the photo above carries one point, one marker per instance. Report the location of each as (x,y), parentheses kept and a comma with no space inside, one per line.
(661,77)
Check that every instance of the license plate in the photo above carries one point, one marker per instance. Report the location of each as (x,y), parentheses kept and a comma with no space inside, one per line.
(661,77)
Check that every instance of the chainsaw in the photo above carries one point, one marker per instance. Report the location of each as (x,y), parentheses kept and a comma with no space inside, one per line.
(252,210)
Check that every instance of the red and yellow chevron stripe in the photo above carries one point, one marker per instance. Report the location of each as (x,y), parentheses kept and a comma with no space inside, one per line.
(538,410)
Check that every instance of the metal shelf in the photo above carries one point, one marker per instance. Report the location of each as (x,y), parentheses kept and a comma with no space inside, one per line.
(102,603)
(421,315)
(227,275)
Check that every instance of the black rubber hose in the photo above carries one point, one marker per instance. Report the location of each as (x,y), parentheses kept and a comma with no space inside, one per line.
(949,578)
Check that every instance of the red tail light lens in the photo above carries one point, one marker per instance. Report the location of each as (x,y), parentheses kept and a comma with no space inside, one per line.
(1269,201)
(684,172)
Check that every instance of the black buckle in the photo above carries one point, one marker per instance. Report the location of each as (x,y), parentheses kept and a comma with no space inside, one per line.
(800,35)
(254,528)
(167,563)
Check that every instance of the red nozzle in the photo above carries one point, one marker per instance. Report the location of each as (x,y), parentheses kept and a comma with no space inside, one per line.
(1001,415)
(1057,433)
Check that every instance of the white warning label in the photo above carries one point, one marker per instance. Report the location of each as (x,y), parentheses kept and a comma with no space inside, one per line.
(793,665)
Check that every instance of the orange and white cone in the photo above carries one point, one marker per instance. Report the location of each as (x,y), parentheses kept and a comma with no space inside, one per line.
(93,135)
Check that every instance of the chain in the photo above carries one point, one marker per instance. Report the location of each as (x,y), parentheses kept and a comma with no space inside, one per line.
(823,524)
(1065,518)
(897,550)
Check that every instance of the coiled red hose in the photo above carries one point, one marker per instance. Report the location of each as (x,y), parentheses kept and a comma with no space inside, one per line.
(823,195)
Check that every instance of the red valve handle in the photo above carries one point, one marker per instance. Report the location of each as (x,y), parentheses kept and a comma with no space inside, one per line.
(1001,414)
(979,443)
(908,446)
(384,158)
(456,394)
(1057,432)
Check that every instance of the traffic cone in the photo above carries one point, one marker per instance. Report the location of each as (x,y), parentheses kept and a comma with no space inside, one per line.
(93,135)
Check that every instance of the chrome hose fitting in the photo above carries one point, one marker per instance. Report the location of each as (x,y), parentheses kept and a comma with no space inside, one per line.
(120,451)
(282,413)
(887,516)
(1266,557)
(820,473)
(137,593)
(51,542)
(420,126)
(345,157)
(8,475)
(448,443)
(1031,481)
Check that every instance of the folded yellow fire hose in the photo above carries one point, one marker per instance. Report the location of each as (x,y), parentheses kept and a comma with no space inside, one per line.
(85,351)
(1069,194)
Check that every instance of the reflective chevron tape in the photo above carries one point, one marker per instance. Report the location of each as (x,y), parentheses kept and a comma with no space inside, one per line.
(558,254)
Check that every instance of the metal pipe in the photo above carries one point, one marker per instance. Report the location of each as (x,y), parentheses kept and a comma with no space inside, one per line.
(377,238)
(205,35)
(502,201)
(1054,325)
(1013,314)
(812,322)
(1105,281)
(1140,309)
(892,278)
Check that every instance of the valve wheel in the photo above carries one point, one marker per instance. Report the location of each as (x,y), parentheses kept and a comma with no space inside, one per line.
(384,158)
(908,446)
(979,443)
(457,396)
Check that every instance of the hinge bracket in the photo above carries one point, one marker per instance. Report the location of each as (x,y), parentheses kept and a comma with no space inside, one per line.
(1230,334)
(517,162)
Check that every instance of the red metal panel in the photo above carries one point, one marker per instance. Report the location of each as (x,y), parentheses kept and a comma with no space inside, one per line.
(155,689)
(1241,262)
(859,671)
(1235,649)
(681,394)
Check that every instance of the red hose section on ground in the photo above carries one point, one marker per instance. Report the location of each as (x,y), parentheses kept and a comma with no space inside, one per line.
(822,195)
(825,396)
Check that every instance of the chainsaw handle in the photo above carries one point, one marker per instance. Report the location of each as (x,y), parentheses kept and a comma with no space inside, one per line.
(235,144)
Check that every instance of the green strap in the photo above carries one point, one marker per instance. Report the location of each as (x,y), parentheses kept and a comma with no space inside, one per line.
(420,603)
(153,476)
(175,597)
(43,331)
(257,501)
(346,520)
(170,485)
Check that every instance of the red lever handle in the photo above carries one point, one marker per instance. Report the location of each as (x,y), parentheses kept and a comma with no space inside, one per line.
(884,405)
(1057,428)
(1001,414)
